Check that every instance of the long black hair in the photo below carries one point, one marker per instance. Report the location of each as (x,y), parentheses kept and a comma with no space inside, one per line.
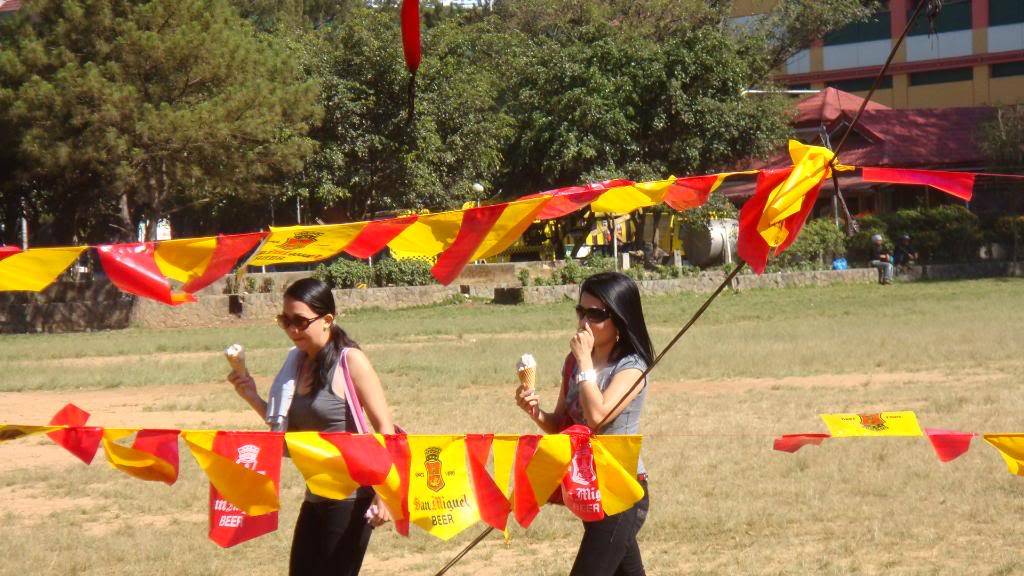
(318,297)
(622,297)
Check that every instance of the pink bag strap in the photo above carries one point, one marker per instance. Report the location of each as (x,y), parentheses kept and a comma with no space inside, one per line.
(351,398)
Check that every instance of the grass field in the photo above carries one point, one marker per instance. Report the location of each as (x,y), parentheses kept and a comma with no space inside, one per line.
(761,363)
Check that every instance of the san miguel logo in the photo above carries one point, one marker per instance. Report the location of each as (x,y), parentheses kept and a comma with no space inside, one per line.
(432,462)
(300,240)
(873,422)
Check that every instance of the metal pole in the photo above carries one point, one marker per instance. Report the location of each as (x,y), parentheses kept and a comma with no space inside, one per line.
(615,242)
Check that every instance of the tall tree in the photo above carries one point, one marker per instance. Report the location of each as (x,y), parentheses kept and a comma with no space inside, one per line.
(148,106)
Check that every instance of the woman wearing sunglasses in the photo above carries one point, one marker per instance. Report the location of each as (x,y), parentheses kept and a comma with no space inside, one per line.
(312,392)
(609,352)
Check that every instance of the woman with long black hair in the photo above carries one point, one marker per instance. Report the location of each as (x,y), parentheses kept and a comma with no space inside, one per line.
(609,352)
(312,392)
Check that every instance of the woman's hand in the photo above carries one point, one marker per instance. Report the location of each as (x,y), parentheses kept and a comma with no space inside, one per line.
(245,386)
(528,400)
(378,513)
(582,346)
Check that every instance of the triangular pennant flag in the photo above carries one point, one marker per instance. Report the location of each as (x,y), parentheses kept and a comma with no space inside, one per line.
(321,464)
(35,269)
(81,440)
(492,501)
(1011,448)
(949,444)
(231,470)
(394,492)
(441,499)
(153,455)
(793,442)
(15,431)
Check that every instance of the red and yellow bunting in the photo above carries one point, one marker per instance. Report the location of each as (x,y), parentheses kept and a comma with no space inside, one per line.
(172,271)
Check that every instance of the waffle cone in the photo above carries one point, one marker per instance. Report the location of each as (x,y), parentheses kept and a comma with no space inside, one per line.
(528,377)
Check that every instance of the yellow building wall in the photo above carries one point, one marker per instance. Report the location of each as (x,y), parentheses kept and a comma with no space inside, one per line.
(945,95)
(1008,90)
(883,96)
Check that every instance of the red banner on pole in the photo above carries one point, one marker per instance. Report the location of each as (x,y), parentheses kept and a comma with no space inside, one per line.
(261,453)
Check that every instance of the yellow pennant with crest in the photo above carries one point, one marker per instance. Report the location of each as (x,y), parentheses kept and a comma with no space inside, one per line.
(876,424)
(441,498)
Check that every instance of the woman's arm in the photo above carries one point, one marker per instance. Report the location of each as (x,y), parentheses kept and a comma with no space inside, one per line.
(370,391)
(597,405)
(549,422)
(245,386)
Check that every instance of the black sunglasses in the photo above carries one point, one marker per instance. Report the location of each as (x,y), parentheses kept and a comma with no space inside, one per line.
(286,322)
(595,315)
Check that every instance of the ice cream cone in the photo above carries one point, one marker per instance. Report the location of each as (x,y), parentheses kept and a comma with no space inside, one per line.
(528,377)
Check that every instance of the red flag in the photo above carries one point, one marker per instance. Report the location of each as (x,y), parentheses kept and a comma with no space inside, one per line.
(376,235)
(79,439)
(572,198)
(793,442)
(411,34)
(525,506)
(750,245)
(6,251)
(132,269)
(476,223)
(160,443)
(959,184)
(494,507)
(692,192)
(398,495)
(949,444)
(367,461)
(230,247)
(257,451)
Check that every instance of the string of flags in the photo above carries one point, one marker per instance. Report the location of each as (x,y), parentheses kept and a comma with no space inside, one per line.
(439,483)
(172,271)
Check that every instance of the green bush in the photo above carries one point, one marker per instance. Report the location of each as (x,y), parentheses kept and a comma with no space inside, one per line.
(343,273)
(859,245)
(524,277)
(637,273)
(819,243)
(949,233)
(1008,230)
(391,272)
(572,272)
(595,263)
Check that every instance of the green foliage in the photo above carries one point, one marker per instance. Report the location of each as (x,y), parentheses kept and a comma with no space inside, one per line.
(595,263)
(572,272)
(524,277)
(1002,139)
(344,273)
(411,272)
(948,233)
(819,243)
(716,208)
(123,111)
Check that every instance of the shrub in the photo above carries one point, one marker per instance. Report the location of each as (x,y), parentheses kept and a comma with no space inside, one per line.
(595,263)
(637,273)
(524,277)
(411,272)
(343,273)
(572,272)
(859,245)
(948,233)
(267,284)
(819,243)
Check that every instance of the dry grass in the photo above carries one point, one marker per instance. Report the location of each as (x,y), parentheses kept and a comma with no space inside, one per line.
(760,364)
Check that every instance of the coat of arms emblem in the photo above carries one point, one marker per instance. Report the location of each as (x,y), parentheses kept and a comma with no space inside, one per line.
(432,462)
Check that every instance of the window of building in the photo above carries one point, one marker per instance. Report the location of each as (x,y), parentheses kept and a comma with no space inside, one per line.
(875,28)
(798,87)
(1002,12)
(955,15)
(860,84)
(1007,69)
(941,76)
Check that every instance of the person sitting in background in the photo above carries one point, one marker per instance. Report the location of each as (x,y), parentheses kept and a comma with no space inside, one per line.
(881,259)
(904,254)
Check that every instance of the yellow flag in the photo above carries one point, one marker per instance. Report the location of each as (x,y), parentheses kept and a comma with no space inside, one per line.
(548,466)
(250,491)
(15,431)
(810,167)
(441,499)
(305,243)
(430,235)
(136,463)
(321,464)
(878,424)
(35,269)
(626,199)
(1011,448)
(184,259)
(514,220)
(616,471)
